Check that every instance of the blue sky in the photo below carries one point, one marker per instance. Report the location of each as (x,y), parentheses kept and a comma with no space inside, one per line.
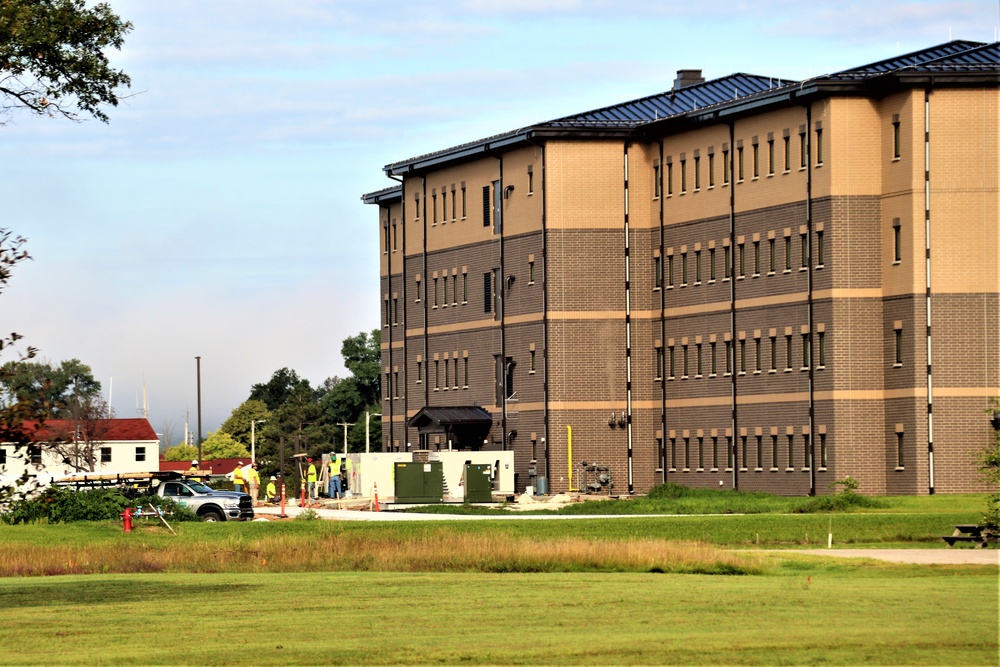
(219,213)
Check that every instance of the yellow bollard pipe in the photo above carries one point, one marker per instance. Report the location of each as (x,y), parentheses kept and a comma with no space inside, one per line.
(569,455)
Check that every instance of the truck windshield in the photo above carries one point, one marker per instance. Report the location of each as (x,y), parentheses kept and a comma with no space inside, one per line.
(198,487)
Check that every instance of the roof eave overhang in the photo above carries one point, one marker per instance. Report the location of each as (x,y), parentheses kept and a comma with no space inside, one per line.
(384,197)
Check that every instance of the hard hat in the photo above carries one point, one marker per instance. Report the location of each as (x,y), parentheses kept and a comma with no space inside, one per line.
(310,459)
(195,462)
(273,478)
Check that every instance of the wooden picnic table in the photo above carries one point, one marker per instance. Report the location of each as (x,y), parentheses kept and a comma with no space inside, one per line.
(968,532)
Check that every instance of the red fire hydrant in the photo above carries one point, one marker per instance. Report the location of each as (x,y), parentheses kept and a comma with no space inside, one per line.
(127,517)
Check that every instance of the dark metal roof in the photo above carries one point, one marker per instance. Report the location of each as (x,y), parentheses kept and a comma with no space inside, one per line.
(909,60)
(983,58)
(384,196)
(451,416)
(673,102)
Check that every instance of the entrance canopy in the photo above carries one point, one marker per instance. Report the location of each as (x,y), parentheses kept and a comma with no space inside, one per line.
(465,426)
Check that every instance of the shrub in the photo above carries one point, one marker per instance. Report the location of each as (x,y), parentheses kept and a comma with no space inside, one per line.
(63,505)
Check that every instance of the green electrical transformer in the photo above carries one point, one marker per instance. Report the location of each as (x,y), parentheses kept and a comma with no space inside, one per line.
(418,482)
(478,483)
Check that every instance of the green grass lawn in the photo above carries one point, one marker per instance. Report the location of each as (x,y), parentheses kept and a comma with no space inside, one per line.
(803,613)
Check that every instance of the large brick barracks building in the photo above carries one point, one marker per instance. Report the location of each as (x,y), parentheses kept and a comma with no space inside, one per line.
(747,282)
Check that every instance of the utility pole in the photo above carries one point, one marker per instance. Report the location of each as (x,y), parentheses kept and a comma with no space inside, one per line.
(368,433)
(198,360)
(253,438)
(345,425)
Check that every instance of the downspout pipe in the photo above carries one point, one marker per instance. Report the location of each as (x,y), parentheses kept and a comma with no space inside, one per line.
(501,290)
(661,454)
(927,271)
(732,454)
(423,298)
(628,326)
(809,304)
(402,215)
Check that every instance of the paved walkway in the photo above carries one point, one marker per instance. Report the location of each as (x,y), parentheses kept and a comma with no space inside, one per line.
(952,556)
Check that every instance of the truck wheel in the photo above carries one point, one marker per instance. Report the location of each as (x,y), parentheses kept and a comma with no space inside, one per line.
(211,515)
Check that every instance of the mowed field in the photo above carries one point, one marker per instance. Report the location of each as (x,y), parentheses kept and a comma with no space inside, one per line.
(627,591)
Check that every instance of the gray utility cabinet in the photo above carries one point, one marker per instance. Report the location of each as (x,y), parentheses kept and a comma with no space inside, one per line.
(478,483)
(419,482)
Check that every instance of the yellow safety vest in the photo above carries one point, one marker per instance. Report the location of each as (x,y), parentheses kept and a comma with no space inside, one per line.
(238,476)
(271,491)
(311,475)
(254,477)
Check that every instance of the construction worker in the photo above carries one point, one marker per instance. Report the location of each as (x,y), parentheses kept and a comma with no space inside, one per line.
(311,479)
(334,477)
(271,493)
(253,481)
(238,480)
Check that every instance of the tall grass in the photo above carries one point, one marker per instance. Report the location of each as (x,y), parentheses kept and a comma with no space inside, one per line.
(441,550)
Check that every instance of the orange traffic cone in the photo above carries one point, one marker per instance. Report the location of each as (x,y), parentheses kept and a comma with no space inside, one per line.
(375,485)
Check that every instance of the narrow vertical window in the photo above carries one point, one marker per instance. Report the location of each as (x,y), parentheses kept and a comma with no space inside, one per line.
(657,272)
(774,451)
(895,140)
(697,267)
(760,453)
(788,352)
(897,246)
(684,176)
(488,292)
(822,349)
(531,179)
(698,360)
(418,290)
(756,258)
(711,265)
(774,354)
(697,172)
(788,153)
(743,356)
(657,181)
(670,368)
(531,273)
(670,270)
(465,288)
(684,358)
(444,205)
(802,150)
(739,162)
(788,254)
(385,237)
(395,384)
(715,452)
(670,178)
(463,202)
(770,257)
(420,371)
(701,453)
(673,453)
(806,352)
(684,269)
(447,374)
(806,452)
(455,386)
(822,451)
(805,250)
(454,211)
(757,360)
(531,361)
(687,453)
(741,256)
(730,452)
(899,347)
(395,311)
(899,451)
(659,363)
(819,146)
(487,205)
(465,375)
(435,292)
(437,375)
(756,161)
(713,367)
(770,157)
(725,167)
(791,451)
(728,262)
(820,249)
(729,357)
(711,170)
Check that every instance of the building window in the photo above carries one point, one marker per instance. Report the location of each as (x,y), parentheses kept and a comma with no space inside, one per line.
(670,360)
(806,452)
(697,172)
(805,250)
(463,202)
(684,361)
(770,257)
(819,146)
(105,455)
(802,150)
(743,356)
(760,453)
(741,250)
(673,453)
(420,371)
(712,364)
(715,452)
(659,363)
(435,292)
(531,361)
(388,313)
(791,451)
(895,140)
(684,269)
(805,351)
(788,154)
(488,292)
(418,290)
(756,258)
(725,167)
(465,372)
(454,290)
(687,453)
(756,165)
(487,204)
(899,451)
(729,357)
(447,374)
(684,176)
(437,375)
(711,170)
(822,451)
(454,199)
(531,179)
(531,273)
(774,452)
(820,249)
(395,311)
(395,384)
(388,386)
(670,178)
(697,361)
(788,352)
(822,349)
(788,254)
(140,454)
(465,288)
(670,270)
(756,345)
(728,262)
(434,206)
(730,452)
(385,237)
(897,252)
(657,181)
(455,376)
(35,455)
(657,273)
(899,348)
(701,453)
(3,456)
(711,265)
(697,267)
(739,163)
(774,354)
(770,157)
(444,205)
